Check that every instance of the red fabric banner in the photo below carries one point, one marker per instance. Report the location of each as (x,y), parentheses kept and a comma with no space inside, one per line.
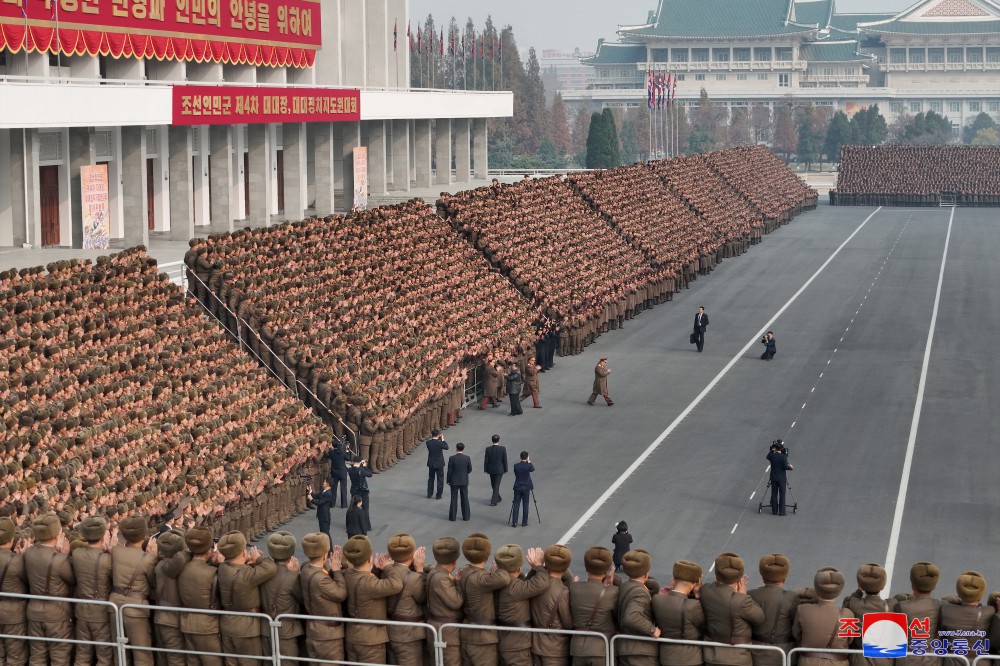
(233,105)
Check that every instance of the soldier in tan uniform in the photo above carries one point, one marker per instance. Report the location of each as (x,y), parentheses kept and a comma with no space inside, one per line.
(920,605)
(408,644)
(366,595)
(282,595)
(514,602)
(49,573)
(166,619)
(817,623)
(92,568)
(680,617)
(731,615)
(479,646)
(779,607)
(13,580)
(240,578)
(635,614)
(323,592)
(871,581)
(593,604)
(443,598)
(966,612)
(550,610)
(132,582)
(198,587)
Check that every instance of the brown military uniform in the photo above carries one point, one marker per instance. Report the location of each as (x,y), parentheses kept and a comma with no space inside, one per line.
(198,587)
(132,582)
(407,643)
(12,611)
(479,646)
(322,595)
(730,617)
(514,610)
(167,622)
(49,574)
(679,618)
(444,605)
(92,568)
(239,592)
(956,615)
(635,616)
(816,626)
(366,595)
(869,603)
(594,607)
(918,608)
(550,610)
(779,607)
(280,596)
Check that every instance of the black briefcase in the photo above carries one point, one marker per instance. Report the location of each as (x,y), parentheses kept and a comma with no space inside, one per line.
(694,339)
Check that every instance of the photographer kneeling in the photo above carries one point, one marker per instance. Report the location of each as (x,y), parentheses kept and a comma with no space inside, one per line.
(771,347)
(778,457)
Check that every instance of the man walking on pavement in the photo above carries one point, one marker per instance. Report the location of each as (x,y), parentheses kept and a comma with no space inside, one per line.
(700,324)
(523,487)
(436,446)
(496,466)
(459,468)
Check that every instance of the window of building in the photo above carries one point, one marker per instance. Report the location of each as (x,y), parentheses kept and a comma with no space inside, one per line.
(762,54)
(956,55)
(678,55)
(896,107)
(954,107)
(975,107)
(762,77)
(679,77)
(741,55)
(935,55)
(916,107)
(660,55)
(849,71)
(720,55)
(917,56)
(720,77)
(699,77)
(897,56)
(936,107)
(701,55)
(992,54)
(974,54)
(994,107)
(741,77)
(783,80)
(783,54)
(828,71)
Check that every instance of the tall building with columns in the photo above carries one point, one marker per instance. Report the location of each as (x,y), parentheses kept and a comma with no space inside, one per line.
(211,115)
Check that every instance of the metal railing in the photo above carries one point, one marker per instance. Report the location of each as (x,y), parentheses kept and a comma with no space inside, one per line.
(608,650)
(618,638)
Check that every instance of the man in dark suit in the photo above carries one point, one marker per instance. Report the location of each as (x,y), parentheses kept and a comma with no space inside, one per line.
(323,501)
(700,324)
(515,384)
(778,457)
(436,446)
(338,471)
(496,467)
(360,473)
(459,468)
(770,346)
(522,488)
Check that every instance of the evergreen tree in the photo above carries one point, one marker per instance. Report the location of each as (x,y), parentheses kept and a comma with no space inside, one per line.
(740,129)
(532,128)
(559,127)
(707,125)
(982,121)
(785,135)
(838,133)
(811,129)
(596,142)
(870,128)
(581,134)
(614,157)
(928,129)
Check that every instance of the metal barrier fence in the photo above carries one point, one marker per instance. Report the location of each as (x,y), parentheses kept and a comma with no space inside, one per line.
(789,660)
(608,654)
(114,644)
(619,638)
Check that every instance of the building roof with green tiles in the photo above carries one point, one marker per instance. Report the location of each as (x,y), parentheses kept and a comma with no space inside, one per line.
(714,19)
(846,51)
(849,22)
(616,53)
(932,28)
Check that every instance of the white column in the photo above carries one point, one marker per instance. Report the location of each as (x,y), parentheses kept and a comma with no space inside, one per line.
(401,155)
(220,145)
(325,178)
(422,152)
(134,208)
(480,149)
(463,154)
(377,166)
(442,145)
(79,156)
(294,145)
(261,189)
(181,187)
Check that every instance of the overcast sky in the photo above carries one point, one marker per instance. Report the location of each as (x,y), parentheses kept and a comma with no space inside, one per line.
(567,24)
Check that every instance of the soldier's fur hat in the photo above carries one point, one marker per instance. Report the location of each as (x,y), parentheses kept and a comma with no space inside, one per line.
(315,545)
(774,568)
(92,529)
(358,550)
(46,527)
(510,558)
(198,540)
(828,582)
(476,548)
(924,576)
(558,558)
(971,586)
(871,578)
(401,547)
(728,568)
(446,550)
(134,529)
(597,560)
(637,563)
(687,571)
(7,530)
(169,544)
(232,544)
(281,546)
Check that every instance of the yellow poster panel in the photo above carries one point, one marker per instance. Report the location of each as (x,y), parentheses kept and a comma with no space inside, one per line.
(96,211)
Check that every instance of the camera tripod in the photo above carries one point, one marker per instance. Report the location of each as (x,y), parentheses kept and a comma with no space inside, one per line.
(511,518)
(788,489)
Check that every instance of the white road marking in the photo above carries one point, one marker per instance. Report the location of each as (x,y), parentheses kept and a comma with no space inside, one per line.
(803,405)
(752,494)
(733,531)
(641,458)
(711,568)
(904,482)
(793,424)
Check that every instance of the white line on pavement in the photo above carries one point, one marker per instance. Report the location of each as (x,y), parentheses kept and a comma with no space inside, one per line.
(904,482)
(638,462)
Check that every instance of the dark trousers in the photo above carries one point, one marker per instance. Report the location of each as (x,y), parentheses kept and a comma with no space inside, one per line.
(453,509)
(699,338)
(341,483)
(778,497)
(324,527)
(520,499)
(432,474)
(766,355)
(495,482)
(364,507)
(515,404)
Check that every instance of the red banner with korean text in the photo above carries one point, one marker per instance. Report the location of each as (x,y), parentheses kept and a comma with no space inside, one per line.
(234,105)
(277,33)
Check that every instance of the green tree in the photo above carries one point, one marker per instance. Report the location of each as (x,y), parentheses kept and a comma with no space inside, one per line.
(740,128)
(708,125)
(550,157)
(928,129)
(982,121)
(838,133)
(810,128)
(614,147)
(581,133)
(988,136)
(559,127)
(870,128)
(596,143)
(786,137)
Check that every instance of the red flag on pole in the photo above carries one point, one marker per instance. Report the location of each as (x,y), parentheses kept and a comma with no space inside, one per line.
(395,35)
(419,40)
(441,42)
(409,35)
